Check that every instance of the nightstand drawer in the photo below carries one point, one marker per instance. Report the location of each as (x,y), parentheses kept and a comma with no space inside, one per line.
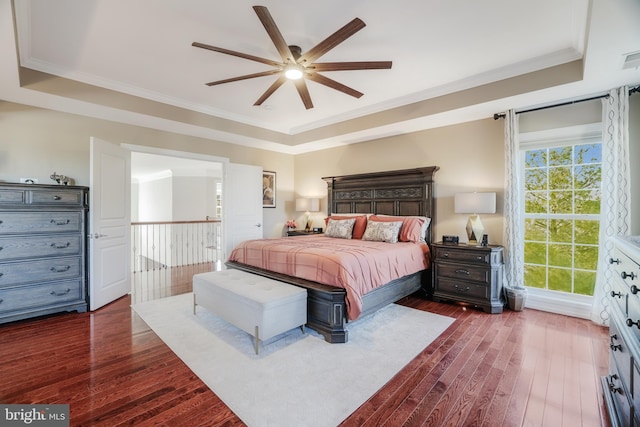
(462,272)
(462,255)
(464,289)
(468,273)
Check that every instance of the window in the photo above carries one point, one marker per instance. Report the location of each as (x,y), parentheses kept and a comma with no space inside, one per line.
(562,188)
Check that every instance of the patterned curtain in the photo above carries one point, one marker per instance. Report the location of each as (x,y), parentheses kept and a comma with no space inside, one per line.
(615,202)
(513,221)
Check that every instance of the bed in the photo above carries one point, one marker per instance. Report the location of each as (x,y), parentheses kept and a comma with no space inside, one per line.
(400,193)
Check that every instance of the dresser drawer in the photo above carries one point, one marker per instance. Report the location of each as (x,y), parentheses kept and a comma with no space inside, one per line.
(39,270)
(620,354)
(464,273)
(625,268)
(462,289)
(636,388)
(615,388)
(57,197)
(619,295)
(462,255)
(13,248)
(12,196)
(39,222)
(41,295)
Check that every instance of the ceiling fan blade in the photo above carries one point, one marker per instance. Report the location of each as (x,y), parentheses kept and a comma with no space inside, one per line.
(274,33)
(238,54)
(319,78)
(333,40)
(245,77)
(304,93)
(345,66)
(271,89)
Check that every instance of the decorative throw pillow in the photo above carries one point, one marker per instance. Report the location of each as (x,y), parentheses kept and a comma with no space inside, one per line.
(382,231)
(414,228)
(359,226)
(341,229)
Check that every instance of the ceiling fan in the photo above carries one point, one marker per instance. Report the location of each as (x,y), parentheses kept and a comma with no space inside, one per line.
(298,66)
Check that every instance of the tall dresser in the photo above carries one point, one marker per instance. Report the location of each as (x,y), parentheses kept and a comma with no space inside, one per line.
(43,250)
(622,386)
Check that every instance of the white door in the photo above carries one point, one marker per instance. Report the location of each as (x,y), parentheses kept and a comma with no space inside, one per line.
(241,204)
(109,223)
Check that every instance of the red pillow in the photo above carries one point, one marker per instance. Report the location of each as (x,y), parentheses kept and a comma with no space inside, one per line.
(411,230)
(358,227)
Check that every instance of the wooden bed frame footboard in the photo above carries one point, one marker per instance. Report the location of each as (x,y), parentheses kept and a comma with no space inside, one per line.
(408,192)
(326,306)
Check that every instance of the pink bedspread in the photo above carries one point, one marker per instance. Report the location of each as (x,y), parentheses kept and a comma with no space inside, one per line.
(358,266)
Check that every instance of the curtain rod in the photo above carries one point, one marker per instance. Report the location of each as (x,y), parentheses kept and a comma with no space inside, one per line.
(576,101)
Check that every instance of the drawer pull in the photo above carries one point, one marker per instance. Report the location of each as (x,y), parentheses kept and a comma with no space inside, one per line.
(631,275)
(613,388)
(634,289)
(630,323)
(60,268)
(1,300)
(446,254)
(1,274)
(462,271)
(616,294)
(60,245)
(59,294)
(612,346)
(614,261)
(465,290)
(479,258)
(57,198)
(60,221)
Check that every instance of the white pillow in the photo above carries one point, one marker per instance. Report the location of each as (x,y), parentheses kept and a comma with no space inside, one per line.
(340,228)
(382,231)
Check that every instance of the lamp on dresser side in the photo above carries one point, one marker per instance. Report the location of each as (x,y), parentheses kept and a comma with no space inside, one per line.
(474,204)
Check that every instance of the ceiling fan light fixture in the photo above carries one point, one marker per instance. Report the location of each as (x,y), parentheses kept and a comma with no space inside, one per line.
(293,72)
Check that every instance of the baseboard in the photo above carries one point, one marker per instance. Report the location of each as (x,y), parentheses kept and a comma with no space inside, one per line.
(559,303)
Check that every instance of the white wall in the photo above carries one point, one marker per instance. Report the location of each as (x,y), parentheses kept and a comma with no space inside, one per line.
(155,200)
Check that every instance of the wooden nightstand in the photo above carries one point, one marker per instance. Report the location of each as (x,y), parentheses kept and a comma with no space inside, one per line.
(471,274)
(302,233)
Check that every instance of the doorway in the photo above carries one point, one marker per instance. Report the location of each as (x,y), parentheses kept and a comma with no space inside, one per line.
(176,223)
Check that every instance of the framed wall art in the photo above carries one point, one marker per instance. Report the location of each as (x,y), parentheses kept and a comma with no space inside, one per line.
(268,189)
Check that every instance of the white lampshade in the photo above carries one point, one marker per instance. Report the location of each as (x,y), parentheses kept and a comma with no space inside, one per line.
(474,204)
(307,205)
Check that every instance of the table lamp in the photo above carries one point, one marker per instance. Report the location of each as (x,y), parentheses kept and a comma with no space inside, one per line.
(474,204)
(306,205)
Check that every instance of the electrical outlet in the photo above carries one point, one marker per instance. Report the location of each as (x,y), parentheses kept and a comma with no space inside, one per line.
(29,180)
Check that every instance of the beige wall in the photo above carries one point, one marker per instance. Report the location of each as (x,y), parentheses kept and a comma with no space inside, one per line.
(36,142)
(470,157)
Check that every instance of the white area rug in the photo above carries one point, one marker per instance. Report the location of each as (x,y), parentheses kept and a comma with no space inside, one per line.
(297,379)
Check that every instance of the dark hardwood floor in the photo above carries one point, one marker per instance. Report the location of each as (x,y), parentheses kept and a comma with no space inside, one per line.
(517,368)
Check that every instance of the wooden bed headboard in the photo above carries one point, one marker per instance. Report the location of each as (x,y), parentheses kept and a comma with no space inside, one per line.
(401,192)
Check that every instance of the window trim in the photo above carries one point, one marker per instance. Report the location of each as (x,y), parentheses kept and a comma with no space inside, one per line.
(569,304)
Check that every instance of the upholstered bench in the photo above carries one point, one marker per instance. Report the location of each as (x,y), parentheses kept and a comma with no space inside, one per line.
(260,306)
